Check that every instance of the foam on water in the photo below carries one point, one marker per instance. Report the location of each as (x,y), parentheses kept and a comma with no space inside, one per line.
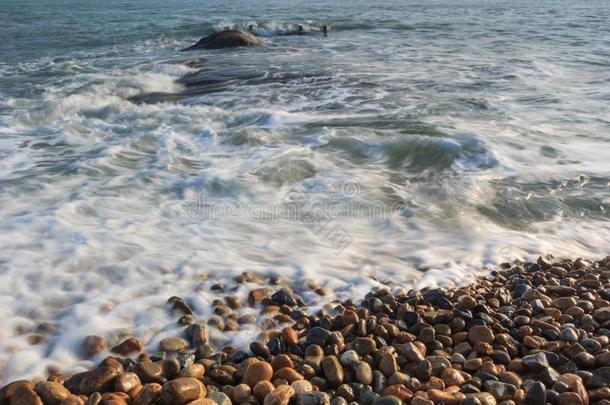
(411,148)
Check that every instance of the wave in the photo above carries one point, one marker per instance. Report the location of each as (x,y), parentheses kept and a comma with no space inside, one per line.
(416,153)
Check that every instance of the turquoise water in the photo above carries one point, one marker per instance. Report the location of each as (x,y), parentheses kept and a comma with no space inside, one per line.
(416,143)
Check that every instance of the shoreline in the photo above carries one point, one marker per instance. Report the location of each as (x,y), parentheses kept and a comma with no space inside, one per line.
(526,333)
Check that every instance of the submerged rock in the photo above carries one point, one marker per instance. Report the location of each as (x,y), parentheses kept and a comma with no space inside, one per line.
(226,39)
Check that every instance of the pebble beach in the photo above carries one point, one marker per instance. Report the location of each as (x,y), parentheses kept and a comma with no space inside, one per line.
(273,202)
(528,333)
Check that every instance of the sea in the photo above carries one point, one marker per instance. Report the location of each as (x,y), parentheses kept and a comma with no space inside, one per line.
(419,144)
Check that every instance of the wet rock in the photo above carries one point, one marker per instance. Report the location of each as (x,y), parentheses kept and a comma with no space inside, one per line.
(173,344)
(284,297)
(148,395)
(92,346)
(259,371)
(24,394)
(301,386)
(129,346)
(241,392)
(257,295)
(226,39)
(148,371)
(181,391)
(482,398)
(313,398)
(287,373)
(388,364)
(100,379)
(364,346)
(194,371)
(536,362)
(51,393)
(332,370)
(536,394)
(501,391)
(126,382)
(262,388)
(387,400)
(180,304)
(569,398)
(574,383)
(317,336)
(364,373)
(480,334)
(219,398)
(412,352)
(280,396)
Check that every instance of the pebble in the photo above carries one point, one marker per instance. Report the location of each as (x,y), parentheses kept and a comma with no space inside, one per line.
(387,400)
(349,358)
(241,392)
(181,391)
(500,390)
(536,362)
(173,344)
(25,395)
(480,334)
(301,386)
(332,370)
(262,388)
(536,394)
(412,352)
(99,379)
(387,364)
(148,371)
(364,346)
(52,393)
(126,382)
(313,398)
(364,373)
(128,346)
(280,396)
(92,346)
(259,371)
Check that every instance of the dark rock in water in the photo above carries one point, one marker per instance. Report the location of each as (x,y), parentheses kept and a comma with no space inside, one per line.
(284,297)
(226,39)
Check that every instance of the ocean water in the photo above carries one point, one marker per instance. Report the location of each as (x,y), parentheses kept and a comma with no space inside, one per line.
(418,143)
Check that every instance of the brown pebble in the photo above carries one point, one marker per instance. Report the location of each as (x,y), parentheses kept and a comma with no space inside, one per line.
(24,394)
(195,370)
(259,371)
(480,334)
(569,398)
(51,393)
(291,337)
(126,382)
(148,395)
(128,346)
(288,374)
(262,388)
(92,346)
(181,391)
(281,361)
(280,396)
(257,295)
